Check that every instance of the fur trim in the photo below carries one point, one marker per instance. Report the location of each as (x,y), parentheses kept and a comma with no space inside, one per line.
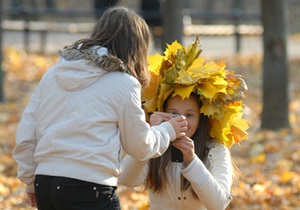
(107,62)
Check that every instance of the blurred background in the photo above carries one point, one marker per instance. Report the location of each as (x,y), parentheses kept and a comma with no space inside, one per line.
(259,39)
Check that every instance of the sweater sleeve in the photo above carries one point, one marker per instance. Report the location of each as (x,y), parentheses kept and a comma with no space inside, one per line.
(23,152)
(139,140)
(212,186)
(135,172)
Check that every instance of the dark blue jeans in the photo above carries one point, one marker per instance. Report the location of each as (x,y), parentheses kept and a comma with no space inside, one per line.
(60,193)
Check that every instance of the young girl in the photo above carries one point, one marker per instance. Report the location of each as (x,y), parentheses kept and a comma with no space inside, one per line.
(85,111)
(203,180)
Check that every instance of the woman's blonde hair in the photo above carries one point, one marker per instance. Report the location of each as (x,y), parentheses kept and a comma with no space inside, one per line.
(127,36)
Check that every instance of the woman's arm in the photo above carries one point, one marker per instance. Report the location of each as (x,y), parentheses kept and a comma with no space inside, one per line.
(135,172)
(26,141)
(212,185)
(139,140)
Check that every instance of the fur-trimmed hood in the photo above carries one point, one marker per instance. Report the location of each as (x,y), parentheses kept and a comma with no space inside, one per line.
(78,69)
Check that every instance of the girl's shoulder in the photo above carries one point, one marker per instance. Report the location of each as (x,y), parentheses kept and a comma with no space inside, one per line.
(214,145)
(217,154)
(216,149)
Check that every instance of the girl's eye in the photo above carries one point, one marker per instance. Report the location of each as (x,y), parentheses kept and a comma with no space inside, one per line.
(189,115)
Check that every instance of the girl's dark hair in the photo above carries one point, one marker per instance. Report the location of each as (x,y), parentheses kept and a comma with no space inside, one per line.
(157,176)
(125,35)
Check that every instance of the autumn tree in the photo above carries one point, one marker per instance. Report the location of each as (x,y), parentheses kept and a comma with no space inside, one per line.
(1,72)
(172,21)
(275,65)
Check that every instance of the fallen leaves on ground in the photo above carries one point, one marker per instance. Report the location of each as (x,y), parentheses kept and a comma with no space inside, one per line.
(269,161)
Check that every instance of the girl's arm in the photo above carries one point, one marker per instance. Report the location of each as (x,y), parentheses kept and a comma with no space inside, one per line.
(212,185)
(135,172)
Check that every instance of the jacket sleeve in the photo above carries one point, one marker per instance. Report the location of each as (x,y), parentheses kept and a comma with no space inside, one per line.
(139,140)
(212,185)
(135,172)
(23,152)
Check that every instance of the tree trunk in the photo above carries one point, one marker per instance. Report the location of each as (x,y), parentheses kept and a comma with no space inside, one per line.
(1,72)
(275,65)
(172,21)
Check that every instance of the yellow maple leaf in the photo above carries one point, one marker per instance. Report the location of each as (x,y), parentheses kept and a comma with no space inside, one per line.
(184,91)
(186,78)
(165,91)
(208,108)
(221,83)
(239,122)
(172,49)
(196,65)
(180,61)
(238,134)
(154,62)
(208,89)
(149,93)
(210,67)
(216,130)
(150,105)
(170,75)
(193,52)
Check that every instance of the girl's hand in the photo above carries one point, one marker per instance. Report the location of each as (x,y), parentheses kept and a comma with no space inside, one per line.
(31,199)
(179,123)
(186,146)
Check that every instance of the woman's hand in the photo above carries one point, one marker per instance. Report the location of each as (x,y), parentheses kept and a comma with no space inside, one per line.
(31,199)
(158,117)
(186,146)
(179,123)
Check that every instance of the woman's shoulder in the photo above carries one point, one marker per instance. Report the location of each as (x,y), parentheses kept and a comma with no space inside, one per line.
(121,82)
(122,77)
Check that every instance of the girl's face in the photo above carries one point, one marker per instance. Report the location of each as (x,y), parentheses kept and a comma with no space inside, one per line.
(188,107)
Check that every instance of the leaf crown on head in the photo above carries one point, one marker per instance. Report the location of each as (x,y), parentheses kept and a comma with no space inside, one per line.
(182,71)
